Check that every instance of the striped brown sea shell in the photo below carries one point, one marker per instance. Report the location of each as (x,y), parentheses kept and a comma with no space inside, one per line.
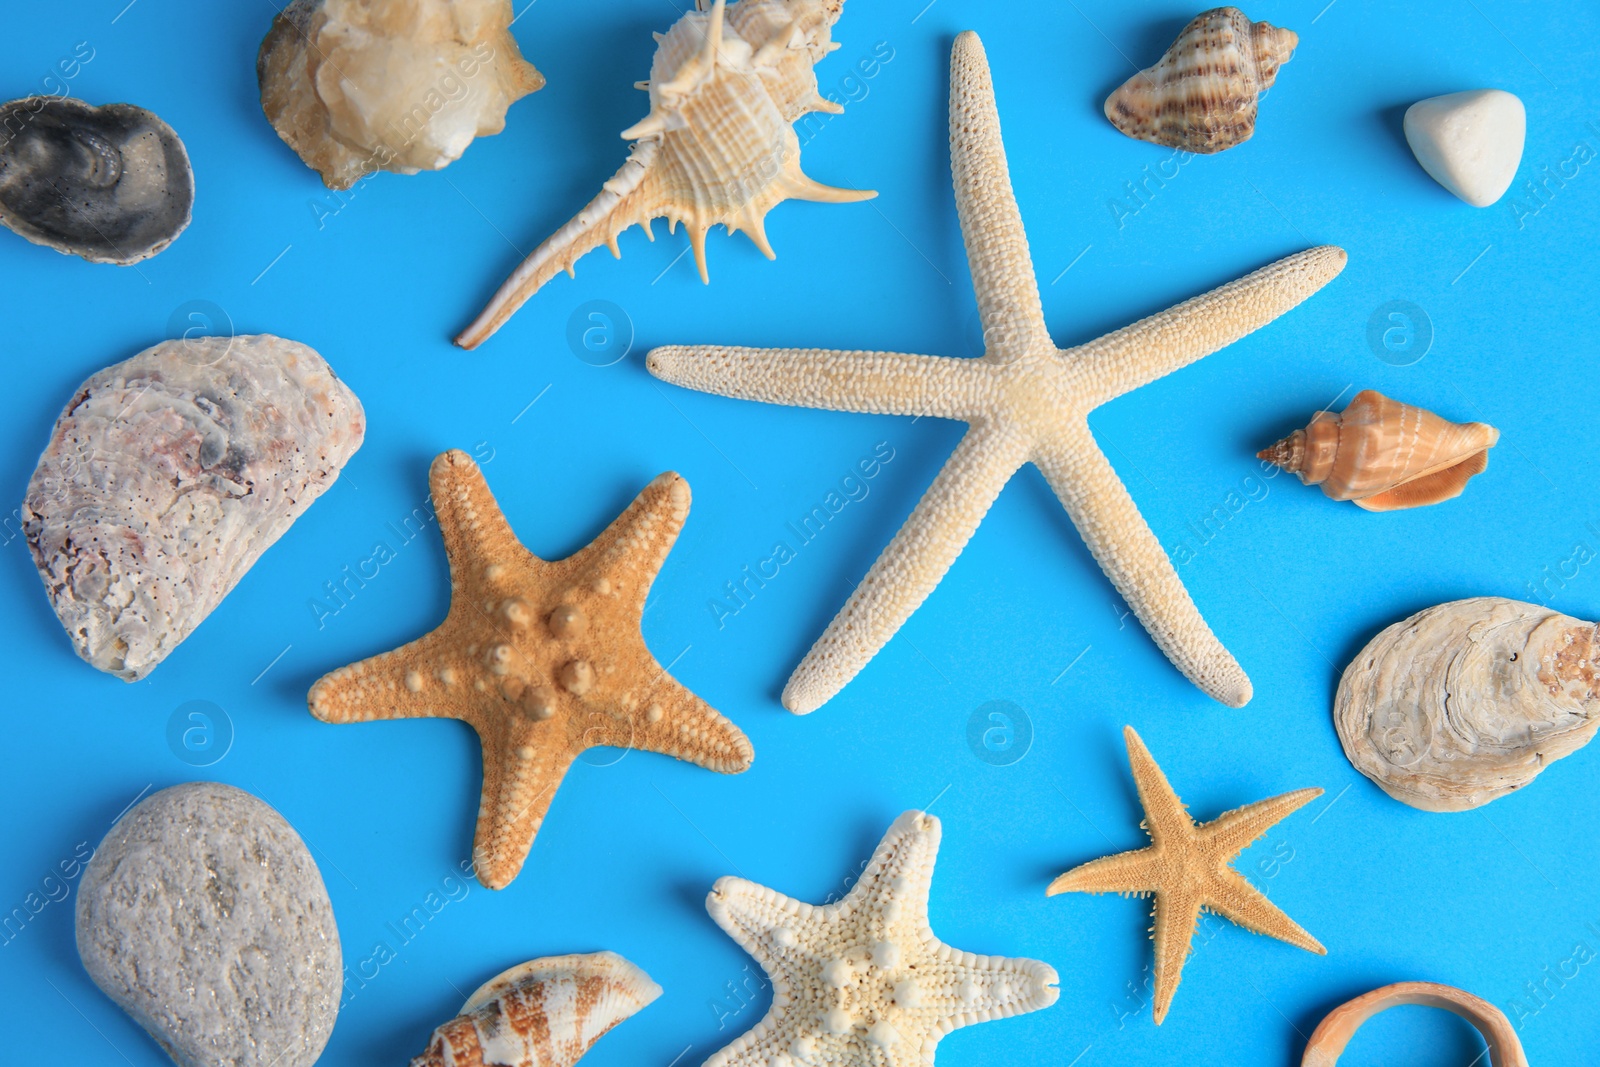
(543,1013)
(1385,455)
(1202,96)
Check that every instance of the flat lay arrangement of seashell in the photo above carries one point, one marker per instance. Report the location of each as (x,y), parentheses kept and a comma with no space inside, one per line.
(717,148)
(1467,701)
(111,184)
(358,86)
(1331,1036)
(1201,96)
(543,1013)
(166,478)
(1384,455)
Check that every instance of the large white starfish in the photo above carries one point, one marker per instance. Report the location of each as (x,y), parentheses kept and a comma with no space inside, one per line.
(864,982)
(1026,402)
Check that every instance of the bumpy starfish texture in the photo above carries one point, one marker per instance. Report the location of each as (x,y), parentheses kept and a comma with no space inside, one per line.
(543,659)
(1026,402)
(864,982)
(1187,869)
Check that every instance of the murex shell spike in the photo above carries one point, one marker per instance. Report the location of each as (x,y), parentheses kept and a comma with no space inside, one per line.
(1385,455)
(717,148)
(1201,96)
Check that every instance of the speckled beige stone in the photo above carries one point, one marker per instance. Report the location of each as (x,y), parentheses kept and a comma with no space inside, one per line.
(1026,402)
(203,916)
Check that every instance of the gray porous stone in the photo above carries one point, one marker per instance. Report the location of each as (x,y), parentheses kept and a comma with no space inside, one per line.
(168,475)
(203,916)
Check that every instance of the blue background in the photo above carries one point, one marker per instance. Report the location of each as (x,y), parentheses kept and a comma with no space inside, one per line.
(1294,584)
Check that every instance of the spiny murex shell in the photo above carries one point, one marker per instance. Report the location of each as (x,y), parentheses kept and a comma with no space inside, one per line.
(544,1013)
(168,475)
(1385,455)
(357,86)
(718,146)
(1202,96)
(111,184)
(1467,701)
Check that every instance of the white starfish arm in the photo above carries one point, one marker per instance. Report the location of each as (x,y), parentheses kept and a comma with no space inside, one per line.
(1126,549)
(991,225)
(879,383)
(975,989)
(1135,355)
(907,571)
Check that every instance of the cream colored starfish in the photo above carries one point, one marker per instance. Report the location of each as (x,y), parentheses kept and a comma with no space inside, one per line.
(1187,868)
(864,982)
(1026,402)
(543,659)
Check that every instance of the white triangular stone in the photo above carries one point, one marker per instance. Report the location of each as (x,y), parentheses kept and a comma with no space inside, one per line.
(1471,142)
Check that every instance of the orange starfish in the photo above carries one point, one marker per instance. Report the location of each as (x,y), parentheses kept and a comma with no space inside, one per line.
(1187,868)
(543,659)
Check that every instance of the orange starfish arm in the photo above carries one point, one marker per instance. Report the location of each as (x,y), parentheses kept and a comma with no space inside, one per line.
(1234,898)
(477,537)
(388,686)
(519,782)
(1166,819)
(674,722)
(1231,833)
(1127,872)
(629,553)
(1176,914)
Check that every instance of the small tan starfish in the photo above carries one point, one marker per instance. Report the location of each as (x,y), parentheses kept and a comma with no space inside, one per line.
(864,982)
(543,659)
(1187,868)
(1026,402)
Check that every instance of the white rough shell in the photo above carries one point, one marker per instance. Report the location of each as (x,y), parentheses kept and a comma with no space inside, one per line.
(1471,142)
(166,478)
(357,86)
(1467,701)
(716,149)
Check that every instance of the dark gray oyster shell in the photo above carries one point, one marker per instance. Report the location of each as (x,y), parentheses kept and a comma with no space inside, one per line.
(111,184)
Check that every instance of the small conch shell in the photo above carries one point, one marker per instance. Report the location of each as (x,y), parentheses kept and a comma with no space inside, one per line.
(1202,96)
(717,148)
(1385,455)
(543,1013)
(1335,1031)
(1465,702)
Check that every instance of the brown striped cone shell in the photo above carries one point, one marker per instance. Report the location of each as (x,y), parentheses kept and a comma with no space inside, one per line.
(717,148)
(1385,455)
(1202,96)
(544,1013)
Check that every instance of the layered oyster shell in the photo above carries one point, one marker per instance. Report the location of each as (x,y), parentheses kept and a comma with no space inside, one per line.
(1465,702)
(166,478)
